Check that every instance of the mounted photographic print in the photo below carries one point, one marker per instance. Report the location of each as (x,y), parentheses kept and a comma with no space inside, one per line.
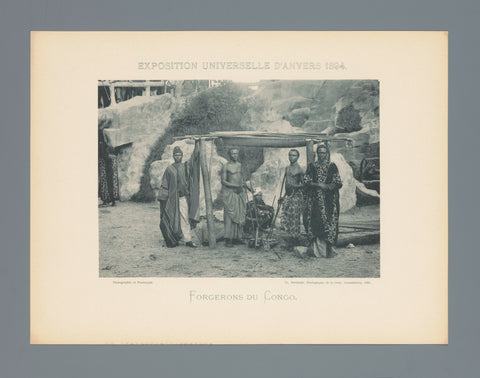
(239,188)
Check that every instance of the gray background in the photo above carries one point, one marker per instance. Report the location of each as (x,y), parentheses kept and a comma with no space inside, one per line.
(458,359)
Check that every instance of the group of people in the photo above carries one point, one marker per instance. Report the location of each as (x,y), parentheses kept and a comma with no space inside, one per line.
(312,195)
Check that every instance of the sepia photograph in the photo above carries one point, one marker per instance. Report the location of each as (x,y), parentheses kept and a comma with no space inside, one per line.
(222,178)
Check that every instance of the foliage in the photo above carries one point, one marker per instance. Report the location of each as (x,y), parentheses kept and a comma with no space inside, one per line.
(256,109)
(215,109)
(372,87)
(298,117)
(349,119)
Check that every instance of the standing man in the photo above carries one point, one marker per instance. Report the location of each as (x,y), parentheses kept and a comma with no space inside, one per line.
(234,199)
(294,201)
(179,199)
(321,222)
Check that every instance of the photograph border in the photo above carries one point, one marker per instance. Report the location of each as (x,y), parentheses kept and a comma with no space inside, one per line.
(264,130)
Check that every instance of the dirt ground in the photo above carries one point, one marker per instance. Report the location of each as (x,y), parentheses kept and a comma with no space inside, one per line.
(131,245)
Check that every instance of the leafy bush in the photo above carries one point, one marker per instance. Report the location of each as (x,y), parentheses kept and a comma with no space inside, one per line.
(298,117)
(349,119)
(215,109)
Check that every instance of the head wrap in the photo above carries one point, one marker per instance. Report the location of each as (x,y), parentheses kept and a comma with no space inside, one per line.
(324,145)
(177,150)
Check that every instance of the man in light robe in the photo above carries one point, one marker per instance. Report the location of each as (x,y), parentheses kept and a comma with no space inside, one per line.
(179,199)
(234,199)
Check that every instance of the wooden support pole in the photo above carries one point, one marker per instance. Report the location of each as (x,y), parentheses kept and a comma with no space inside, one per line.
(212,240)
(310,152)
(113,101)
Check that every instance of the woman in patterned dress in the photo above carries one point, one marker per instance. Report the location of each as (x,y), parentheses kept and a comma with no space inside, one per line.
(322,181)
(294,201)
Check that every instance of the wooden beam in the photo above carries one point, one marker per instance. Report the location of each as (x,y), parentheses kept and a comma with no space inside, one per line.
(113,100)
(358,238)
(310,152)
(212,240)
(267,140)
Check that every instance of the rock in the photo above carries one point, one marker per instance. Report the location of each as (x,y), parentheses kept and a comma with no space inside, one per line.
(366,196)
(348,197)
(136,118)
(218,215)
(286,105)
(278,126)
(201,231)
(358,238)
(318,126)
(131,161)
(322,100)
(350,245)
(290,88)
(301,252)
(139,121)
(301,111)
(364,98)
(314,104)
